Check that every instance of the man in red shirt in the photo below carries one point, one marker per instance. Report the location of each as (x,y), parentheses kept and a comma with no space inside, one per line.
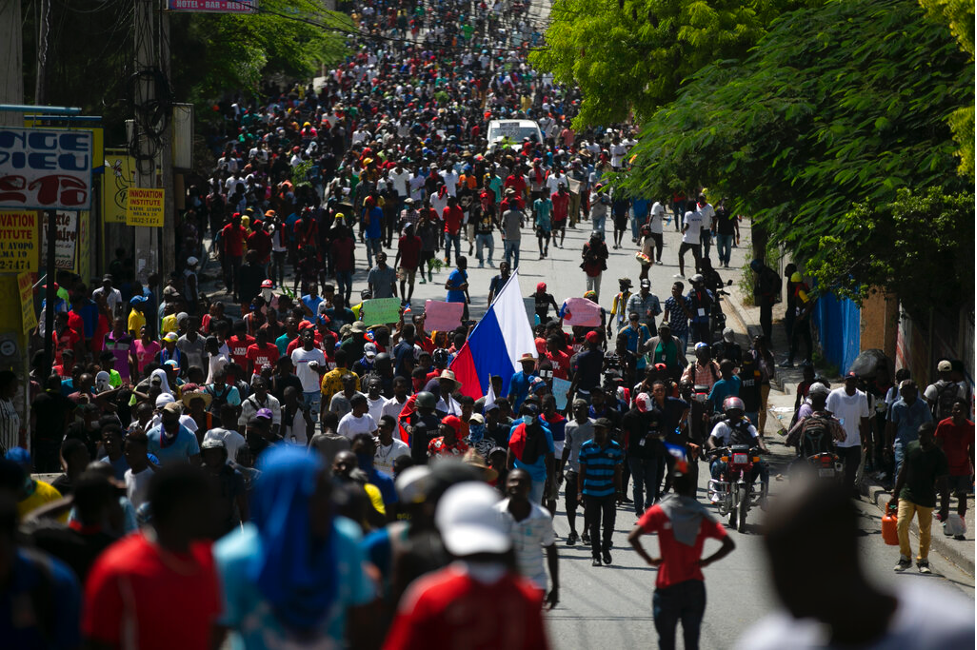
(561,208)
(682,525)
(452,215)
(239,344)
(408,257)
(478,601)
(260,241)
(555,345)
(955,436)
(233,235)
(158,588)
(261,354)
(517,181)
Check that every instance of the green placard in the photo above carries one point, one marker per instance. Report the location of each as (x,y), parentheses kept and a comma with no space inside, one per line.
(381,311)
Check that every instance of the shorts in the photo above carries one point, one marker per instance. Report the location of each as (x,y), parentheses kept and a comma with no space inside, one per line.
(960,485)
(621,223)
(407,274)
(426,256)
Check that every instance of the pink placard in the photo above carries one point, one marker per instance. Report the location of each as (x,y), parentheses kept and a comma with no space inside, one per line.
(442,316)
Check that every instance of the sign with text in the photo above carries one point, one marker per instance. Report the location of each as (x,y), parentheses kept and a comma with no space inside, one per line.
(144,207)
(580,312)
(18,241)
(25,283)
(215,6)
(381,311)
(442,316)
(120,175)
(67,242)
(45,169)
(561,388)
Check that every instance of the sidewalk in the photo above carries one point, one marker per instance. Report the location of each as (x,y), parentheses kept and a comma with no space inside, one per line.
(780,409)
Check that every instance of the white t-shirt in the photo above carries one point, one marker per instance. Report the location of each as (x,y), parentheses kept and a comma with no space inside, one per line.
(233,441)
(723,433)
(400,182)
(694,221)
(655,217)
(529,536)
(927,617)
(309,377)
(618,151)
(350,425)
(450,177)
(384,458)
(137,486)
(849,409)
(707,213)
(376,407)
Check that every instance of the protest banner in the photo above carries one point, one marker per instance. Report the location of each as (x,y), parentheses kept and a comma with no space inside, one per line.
(381,311)
(580,312)
(442,316)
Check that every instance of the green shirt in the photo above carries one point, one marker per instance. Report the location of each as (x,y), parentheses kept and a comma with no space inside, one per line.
(922,468)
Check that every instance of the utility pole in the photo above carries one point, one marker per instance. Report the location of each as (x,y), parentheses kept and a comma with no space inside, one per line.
(43,29)
(144,36)
(168,247)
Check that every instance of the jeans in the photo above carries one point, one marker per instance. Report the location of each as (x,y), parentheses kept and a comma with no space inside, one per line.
(853,458)
(598,225)
(644,472)
(898,455)
(511,253)
(278,267)
(484,241)
(593,284)
(925,520)
(705,238)
(536,491)
(373,246)
(312,401)
(571,501)
(636,223)
(724,247)
(450,239)
(686,602)
(597,509)
(344,284)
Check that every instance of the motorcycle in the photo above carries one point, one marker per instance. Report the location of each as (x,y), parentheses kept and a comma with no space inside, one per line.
(829,466)
(734,493)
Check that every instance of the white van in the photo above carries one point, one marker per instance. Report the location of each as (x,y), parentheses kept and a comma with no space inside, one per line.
(512,132)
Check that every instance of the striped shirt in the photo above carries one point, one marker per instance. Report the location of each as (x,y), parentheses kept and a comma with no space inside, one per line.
(597,465)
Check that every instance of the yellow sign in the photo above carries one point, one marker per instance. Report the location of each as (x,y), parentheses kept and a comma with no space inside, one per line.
(18,241)
(120,175)
(144,207)
(25,282)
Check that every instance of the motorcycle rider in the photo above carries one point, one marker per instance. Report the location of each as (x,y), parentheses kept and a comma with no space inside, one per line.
(816,433)
(735,429)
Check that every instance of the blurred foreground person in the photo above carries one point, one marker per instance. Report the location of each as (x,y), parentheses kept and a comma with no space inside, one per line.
(814,559)
(478,602)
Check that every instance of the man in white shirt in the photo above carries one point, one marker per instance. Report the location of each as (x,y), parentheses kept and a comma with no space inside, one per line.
(395,404)
(389,446)
(708,223)
(691,228)
(310,363)
(531,529)
(357,420)
(850,406)
(113,297)
(450,177)
(400,179)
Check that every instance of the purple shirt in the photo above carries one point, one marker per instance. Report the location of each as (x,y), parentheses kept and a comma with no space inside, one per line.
(120,348)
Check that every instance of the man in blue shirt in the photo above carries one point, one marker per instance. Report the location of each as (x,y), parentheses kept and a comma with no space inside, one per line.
(520,382)
(531,449)
(905,417)
(457,285)
(728,386)
(599,487)
(172,442)
(373,226)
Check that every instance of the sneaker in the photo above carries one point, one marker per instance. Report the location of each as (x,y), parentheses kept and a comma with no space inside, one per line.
(481,265)
(585,538)
(924,567)
(904,563)
(607,559)
(960,538)
(596,562)
(679,276)
(572,538)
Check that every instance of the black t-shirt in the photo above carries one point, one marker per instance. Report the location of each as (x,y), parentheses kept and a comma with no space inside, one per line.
(642,431)
(499,432)
(76,549)
(400,352)
(725,222)
(280,382)
(672,411)
(588,366)
(50,410)
(543,303)
(923,467)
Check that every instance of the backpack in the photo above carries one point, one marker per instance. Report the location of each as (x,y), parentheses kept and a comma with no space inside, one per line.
(816,436)
(219,400)
(740,432)
(946,395)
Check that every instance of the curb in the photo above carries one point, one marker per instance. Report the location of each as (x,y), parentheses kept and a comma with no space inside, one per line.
(938,542)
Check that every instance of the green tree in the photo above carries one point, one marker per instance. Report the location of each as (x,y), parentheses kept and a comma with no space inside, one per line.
(634,55)
(837,105)
(958,15)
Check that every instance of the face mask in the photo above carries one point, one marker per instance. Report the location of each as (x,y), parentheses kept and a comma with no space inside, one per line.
(528,419)
(476,432)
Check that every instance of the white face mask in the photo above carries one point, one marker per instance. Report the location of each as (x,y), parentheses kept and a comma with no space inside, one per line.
(528,419)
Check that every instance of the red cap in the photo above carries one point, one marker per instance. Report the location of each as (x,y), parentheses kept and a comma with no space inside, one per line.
(452,421)
(643,402)
(592,337)
(541,286)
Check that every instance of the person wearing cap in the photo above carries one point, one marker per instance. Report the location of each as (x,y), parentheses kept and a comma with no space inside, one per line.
(818,430)
(449,443)
(521,380)
(170,441)
(170,352)
(599,487)
(531,529)
(479,591)
(699,302)
(543,302)
(735,429)
(259,434)
(850,405)
(682,525)
(279,573)
(666,349)
(644,427)
(587,367)
(619,305)
(231,502)
(941,394)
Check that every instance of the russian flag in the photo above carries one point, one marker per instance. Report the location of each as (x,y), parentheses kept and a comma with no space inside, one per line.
(495,345)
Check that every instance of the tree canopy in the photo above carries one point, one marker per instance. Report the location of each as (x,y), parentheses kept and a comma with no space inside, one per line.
(837,105)
(634,55)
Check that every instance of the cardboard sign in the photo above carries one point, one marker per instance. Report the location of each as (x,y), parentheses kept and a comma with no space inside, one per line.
(67,241)
(25,283)
(18,241)
(580,312)
(45,169)
(561,387)
(442,316)
(381,311)
(144,207)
